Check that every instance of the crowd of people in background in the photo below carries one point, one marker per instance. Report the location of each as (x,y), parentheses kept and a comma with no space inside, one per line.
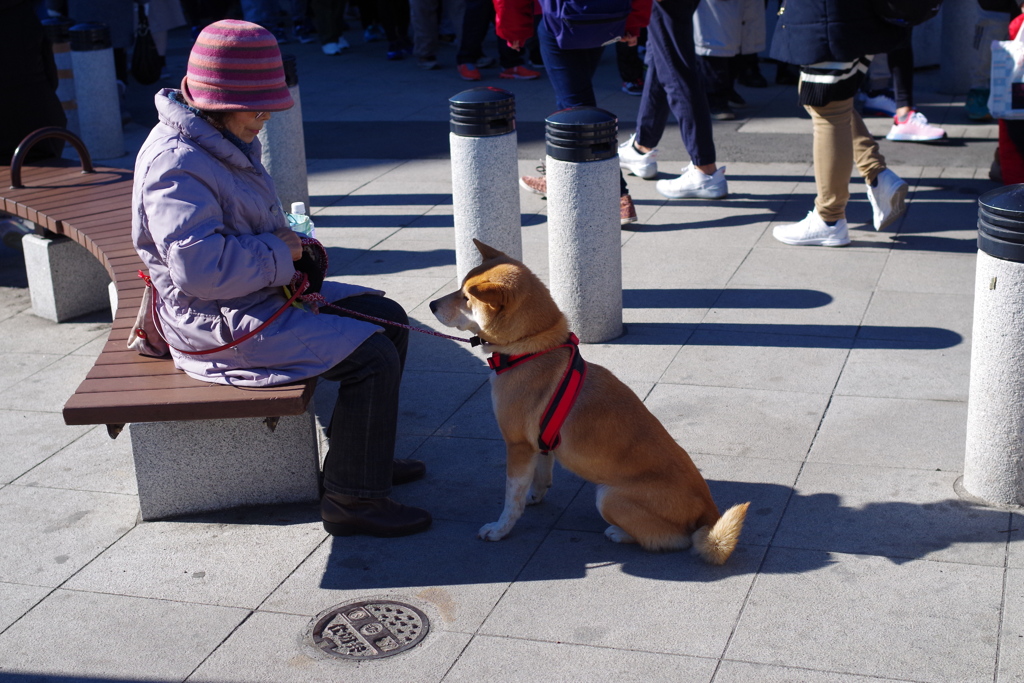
(687,62)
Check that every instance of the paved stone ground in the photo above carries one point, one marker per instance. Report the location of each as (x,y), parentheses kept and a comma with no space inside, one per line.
(827,387)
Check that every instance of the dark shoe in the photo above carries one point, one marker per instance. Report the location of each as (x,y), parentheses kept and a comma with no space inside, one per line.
(404,471)
(752,78)
(786,74)
(381,517)
(735,99)
(722,112)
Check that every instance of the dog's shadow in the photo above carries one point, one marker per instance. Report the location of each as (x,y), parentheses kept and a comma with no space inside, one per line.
(562,538)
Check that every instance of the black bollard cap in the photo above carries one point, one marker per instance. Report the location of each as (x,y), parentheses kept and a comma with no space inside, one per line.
(483,112)
(1001,223)
(582,134)
(58,29)
(89,36)
(291,72)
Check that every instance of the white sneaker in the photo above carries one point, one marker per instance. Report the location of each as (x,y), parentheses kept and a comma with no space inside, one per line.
(812,231)
(639,164)
(331,48)
(695,183)
(887,198)
(914,129)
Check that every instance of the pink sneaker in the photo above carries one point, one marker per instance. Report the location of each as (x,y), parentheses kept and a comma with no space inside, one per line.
(914,128)
(534,184)
(519,72)
(468,72)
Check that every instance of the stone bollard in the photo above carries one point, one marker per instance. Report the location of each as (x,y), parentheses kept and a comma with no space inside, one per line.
(99,104)
(994,461)
(584,233)
(485,193)
(58,30)
(284,145)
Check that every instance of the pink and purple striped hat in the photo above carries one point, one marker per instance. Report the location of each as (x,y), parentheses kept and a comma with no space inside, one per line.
(236,66)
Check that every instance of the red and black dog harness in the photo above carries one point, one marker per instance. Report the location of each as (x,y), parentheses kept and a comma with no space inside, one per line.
(565,395)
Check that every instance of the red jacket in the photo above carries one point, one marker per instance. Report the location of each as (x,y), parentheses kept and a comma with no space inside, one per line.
(513,19)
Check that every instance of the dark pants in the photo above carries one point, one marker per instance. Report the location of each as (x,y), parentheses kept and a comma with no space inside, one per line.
(901,66)
(627,59)
(362,430)
(475,23)
(571,73)
(673,83)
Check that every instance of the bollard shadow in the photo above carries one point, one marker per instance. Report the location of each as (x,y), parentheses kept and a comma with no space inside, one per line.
(368,200)
(725,298)
(343,261)
(792,335)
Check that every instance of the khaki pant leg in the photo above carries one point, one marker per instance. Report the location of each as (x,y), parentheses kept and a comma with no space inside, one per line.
(833,157)
(866,154)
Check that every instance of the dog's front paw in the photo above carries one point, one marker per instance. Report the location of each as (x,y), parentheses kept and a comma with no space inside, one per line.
(492,532)
(536,496)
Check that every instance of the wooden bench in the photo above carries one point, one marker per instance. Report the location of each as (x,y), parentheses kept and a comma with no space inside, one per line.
(197,446)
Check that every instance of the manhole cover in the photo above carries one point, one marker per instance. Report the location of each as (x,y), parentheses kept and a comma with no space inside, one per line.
(369,630)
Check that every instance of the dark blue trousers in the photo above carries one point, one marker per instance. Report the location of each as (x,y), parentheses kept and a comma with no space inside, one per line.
(571,73)
(365,417)
(673,83)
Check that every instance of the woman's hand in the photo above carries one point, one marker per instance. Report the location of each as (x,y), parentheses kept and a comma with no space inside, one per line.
(292,241)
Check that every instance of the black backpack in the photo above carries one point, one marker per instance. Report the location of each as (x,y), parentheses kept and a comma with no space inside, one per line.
(906,13)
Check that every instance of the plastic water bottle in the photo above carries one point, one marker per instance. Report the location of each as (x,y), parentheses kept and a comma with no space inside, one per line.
(299,221)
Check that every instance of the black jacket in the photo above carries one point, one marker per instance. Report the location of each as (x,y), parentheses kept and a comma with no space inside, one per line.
(812,31)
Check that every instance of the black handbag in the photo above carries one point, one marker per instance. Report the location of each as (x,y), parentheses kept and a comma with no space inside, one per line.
(146,61)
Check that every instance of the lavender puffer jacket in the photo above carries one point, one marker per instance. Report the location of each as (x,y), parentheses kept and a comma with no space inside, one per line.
(202,218)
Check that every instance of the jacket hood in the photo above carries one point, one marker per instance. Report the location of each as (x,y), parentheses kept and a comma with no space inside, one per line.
(202,132)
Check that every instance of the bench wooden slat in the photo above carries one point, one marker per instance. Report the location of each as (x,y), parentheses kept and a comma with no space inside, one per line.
(198,402)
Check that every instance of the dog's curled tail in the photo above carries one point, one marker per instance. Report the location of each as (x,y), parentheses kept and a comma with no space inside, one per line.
(716,543)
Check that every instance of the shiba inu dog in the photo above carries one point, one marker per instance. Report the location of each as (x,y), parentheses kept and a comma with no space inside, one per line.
(648,489)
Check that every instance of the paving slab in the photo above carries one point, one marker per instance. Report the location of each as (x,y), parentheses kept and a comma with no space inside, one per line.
(114,637)
(1011,640)
(49,388)
(822,269)
(507,660)
(448,391)
(938,370)
(466,482)
(743,672)
(94,462)
(15,367)
(898,513)
(447,569)
(751,360)
(49,534)
(893,432)
(921,621)
(748,422)
(806,312)
(284,657)
(16,599)
(623,597)
(30,438)
(213,561)
(915,316)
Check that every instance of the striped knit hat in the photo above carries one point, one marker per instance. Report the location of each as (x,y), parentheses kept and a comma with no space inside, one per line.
(236,66)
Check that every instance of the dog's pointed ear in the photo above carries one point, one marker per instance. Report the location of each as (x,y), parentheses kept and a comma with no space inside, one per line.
(491,293)
(486,250)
